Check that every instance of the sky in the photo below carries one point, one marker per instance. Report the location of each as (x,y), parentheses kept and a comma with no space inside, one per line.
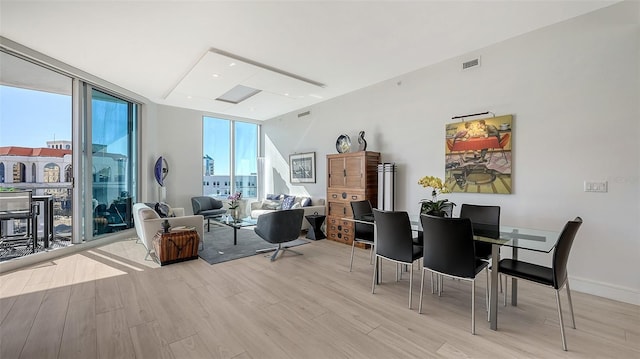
(27,125)
(216,145)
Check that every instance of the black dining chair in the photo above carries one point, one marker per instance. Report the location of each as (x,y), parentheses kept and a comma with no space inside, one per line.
(394,243)
(447,208)
(485,221)
(363,233)
(449,250)
(555,276)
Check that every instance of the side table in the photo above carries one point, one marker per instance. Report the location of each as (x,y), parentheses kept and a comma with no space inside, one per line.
(315,231)
(176,246)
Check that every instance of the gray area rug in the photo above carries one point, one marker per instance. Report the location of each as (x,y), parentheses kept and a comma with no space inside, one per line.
(218,244)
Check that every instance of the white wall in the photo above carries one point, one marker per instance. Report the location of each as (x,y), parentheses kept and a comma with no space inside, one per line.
(573,89)
(179,140)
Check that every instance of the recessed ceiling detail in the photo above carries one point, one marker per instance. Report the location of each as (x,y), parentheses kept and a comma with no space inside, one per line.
(238,94)
(226,83)
(266,67)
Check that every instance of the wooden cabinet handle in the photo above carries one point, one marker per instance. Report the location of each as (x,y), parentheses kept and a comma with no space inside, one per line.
(354,197)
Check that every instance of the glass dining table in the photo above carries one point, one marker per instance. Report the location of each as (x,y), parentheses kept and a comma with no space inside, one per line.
(509,236)
(517,238)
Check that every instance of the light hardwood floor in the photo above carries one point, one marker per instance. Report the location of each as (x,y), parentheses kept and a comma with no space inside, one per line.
(109,303)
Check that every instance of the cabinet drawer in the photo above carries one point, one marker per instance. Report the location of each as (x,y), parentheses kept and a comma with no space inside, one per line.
(346,195)
(340,224)
(343,236)
(339,209)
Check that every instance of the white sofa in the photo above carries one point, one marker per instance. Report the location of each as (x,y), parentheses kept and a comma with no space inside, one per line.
(148,223)
(266,206)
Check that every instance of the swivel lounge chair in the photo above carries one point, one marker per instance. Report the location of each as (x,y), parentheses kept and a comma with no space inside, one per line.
(279,227)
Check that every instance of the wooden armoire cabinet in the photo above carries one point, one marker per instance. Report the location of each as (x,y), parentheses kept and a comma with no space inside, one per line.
(350,177)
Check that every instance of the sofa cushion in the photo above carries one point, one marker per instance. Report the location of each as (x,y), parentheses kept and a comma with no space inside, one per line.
(305,201)
(288,201)
(271,204)
(164,210)
(258,212)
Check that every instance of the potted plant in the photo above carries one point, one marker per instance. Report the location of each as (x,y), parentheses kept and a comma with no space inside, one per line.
(434,206)
(234,203)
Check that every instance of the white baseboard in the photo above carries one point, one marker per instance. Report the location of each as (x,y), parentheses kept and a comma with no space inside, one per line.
(622,294)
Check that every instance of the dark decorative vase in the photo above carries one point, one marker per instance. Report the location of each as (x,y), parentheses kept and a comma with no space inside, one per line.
(362,141)
(166,226)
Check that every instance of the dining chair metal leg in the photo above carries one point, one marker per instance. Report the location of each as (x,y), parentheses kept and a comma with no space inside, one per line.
(439,280)
(371,252)
(473,307)
(488,284)
(488,296)
(506,284)
(410,284)
(375,274)
(433,287)
(422,289)
(353,246)
(564,341)
(573,319)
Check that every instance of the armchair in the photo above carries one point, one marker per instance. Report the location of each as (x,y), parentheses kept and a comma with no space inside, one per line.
(279,227)
(208,207)
(148,223)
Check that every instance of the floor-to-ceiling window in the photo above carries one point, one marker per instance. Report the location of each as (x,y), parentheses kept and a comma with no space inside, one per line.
(230,151)
(113,161)
(55,127)
(35,116)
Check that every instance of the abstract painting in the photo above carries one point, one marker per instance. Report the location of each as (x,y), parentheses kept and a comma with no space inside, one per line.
(478,155)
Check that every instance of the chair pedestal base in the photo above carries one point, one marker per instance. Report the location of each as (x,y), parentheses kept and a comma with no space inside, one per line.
(277,250)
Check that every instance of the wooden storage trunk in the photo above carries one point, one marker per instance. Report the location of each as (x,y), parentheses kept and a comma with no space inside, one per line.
(176,246)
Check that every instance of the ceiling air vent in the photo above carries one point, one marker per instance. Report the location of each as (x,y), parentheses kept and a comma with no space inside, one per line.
(471,63)
(303,114)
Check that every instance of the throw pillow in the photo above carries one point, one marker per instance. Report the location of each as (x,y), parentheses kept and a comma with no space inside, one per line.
(273,205)
(305,202)
(273,197)
(296,205)
(164,210)
(287,202)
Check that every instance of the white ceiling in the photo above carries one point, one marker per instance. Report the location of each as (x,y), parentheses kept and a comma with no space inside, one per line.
(161,50)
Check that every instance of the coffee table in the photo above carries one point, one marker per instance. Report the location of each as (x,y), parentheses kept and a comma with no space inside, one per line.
(235,224)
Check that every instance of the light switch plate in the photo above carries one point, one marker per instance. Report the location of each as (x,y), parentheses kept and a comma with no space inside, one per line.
(595,186)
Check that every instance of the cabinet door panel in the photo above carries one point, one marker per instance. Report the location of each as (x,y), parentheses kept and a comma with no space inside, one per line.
(354,169)
(336,172)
